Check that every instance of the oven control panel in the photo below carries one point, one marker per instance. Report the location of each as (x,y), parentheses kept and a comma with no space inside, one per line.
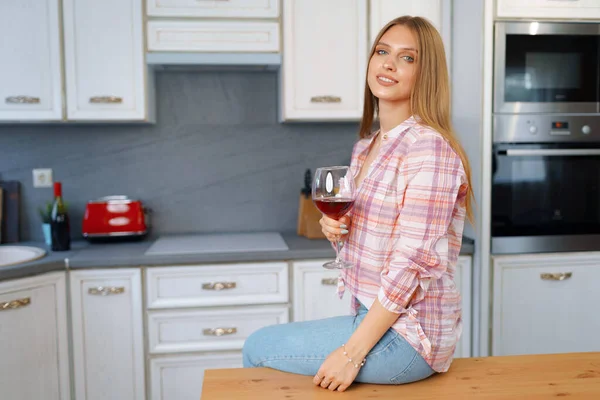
(510,128)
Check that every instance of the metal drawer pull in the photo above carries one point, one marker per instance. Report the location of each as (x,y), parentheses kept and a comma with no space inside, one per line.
(325,99)
(22,100)
(105,291)
(218,285)
(329,281)
(14,304)
(219,331)
(558,276)
(106,100)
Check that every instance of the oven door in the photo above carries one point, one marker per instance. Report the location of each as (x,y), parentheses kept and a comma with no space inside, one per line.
(549,194)
(547,67)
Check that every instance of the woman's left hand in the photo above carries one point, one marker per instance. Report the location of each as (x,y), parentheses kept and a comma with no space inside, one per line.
(336,372)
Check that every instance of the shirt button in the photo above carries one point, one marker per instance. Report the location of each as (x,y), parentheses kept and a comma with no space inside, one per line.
(384,137)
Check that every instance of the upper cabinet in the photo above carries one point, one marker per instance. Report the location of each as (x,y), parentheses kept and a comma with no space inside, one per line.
(30,71)
(436,11)
(216,9)
(324,59)
(104,60)
(555,9)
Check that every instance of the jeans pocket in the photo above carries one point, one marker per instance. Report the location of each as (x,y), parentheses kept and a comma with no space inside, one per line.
(416,370)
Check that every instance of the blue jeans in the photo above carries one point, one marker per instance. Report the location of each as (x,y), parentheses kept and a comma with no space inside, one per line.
(301,348)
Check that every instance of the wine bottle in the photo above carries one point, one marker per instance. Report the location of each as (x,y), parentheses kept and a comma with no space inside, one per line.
(59,222)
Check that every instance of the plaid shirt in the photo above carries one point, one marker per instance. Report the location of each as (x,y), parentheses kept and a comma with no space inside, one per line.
(407,224)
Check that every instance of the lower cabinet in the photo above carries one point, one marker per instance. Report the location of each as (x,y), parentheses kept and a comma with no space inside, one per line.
(546,303)
(34,356)
(180,377)
(315,295)
(108,350)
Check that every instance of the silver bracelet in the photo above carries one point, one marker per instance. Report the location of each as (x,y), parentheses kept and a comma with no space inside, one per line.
(352,361)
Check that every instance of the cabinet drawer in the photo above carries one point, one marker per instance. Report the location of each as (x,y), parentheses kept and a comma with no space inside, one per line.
(212,285)
(214,37)
(212,329)
(563,9)
(315,292)
(210,9)
(180,377)
(546,304)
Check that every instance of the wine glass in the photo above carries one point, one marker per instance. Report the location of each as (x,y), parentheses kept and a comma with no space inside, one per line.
(333,194)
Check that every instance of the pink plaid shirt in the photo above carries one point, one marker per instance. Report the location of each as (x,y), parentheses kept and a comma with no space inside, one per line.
(406,234)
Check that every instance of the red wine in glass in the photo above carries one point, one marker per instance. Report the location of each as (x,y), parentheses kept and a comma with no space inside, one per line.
(334,208)
(333,194)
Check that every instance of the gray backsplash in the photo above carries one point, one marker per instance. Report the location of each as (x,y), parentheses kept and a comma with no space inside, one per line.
(217,160)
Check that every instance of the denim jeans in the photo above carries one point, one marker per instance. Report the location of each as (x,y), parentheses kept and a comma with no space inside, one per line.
(301,348)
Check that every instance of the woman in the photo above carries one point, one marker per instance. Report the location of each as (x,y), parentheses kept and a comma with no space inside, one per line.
(413,193)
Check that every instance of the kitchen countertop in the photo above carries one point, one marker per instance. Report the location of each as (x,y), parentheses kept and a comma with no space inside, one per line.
(131,254)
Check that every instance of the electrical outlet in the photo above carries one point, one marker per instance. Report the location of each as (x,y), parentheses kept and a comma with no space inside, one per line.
(42,178)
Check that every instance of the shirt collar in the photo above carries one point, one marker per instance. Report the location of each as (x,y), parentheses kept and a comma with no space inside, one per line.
(400,129)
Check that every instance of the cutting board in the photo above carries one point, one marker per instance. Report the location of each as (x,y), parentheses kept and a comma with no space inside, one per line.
(217,243)
(10,211)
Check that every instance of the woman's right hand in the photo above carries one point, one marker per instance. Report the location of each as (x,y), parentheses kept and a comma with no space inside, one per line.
(335,230)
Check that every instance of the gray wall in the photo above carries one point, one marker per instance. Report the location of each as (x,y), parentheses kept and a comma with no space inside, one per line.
(217,160)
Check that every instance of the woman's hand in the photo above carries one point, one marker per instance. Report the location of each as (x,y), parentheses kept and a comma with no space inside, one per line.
(335,230)
(336,372)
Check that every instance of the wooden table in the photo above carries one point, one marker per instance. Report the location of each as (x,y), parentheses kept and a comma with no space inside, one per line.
(570,376)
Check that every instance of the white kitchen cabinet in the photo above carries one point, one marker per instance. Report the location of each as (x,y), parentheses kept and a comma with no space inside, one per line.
(315,292)
(106,75)
(324,60)
(213,36)
(551,9)
(34,356)
(315,296)
(108,350)
(30,71)
(438,12)
(546,303)
(213,9)
(180,377)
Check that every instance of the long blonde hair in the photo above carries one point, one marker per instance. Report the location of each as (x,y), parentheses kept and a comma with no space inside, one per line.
(430,95)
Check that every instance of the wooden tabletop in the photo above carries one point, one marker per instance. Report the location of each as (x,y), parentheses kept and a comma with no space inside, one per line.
(572,376)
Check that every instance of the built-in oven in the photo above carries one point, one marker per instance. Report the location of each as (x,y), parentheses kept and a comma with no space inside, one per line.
(545,184)
(546,67)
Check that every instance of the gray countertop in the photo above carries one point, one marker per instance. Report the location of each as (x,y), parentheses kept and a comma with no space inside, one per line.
(131,254)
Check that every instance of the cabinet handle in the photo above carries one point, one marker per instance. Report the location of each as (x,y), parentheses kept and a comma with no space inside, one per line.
(329,281)
(325,99)
(22,100)
(558,276)
(14,304)
(218,285)
(219,331)
(106,100)
(105,291)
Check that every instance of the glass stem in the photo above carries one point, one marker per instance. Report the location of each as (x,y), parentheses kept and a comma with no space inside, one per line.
(338,247)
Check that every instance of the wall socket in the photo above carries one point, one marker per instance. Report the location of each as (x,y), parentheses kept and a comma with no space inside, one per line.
(42,178)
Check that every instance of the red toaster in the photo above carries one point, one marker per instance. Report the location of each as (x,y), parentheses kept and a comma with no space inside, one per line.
(115,217)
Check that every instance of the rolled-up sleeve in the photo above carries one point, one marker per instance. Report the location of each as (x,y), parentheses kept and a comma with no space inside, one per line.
(431,180)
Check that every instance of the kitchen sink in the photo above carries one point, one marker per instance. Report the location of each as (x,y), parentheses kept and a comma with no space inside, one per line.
(11,255)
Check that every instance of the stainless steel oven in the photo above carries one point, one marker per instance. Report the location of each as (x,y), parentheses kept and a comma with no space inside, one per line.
(547,67)
(545,183)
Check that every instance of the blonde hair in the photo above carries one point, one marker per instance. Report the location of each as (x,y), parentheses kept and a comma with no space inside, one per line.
(430,95)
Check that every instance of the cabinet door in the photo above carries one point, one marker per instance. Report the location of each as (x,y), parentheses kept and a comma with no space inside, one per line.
(30,74)
(180,377)
(324,59)
(462,279)
(579,9)
(214,9)
(34,361)
(438,12)
(108,355)
(546,304)
(104,60)
(315,292)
